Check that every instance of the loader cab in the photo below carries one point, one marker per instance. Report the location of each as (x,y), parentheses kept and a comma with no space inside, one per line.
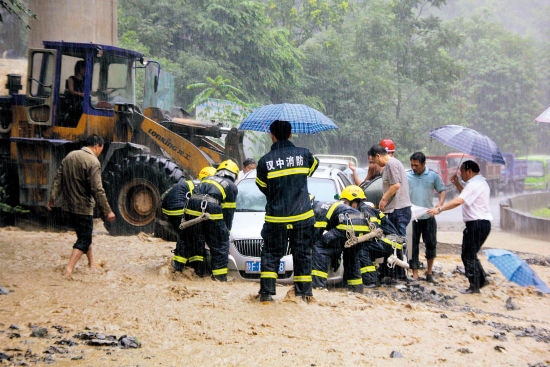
(107,79)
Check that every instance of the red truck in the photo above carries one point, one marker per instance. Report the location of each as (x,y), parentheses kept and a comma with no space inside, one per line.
(448,165)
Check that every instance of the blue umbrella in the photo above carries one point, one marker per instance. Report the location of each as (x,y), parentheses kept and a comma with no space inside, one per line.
(468,141)
(304,119)
(515,269)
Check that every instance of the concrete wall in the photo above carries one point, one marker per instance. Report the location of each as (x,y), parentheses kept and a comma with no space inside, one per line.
(515,217)
(73,21)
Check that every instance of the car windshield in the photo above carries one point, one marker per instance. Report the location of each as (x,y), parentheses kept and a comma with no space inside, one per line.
(535,169)
(251,199)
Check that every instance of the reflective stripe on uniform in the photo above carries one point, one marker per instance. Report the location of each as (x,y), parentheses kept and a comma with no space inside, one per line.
(355,281)
(260,182)
(368,269)
(375,220)
(358,228)
(219,271)
(229,205)
(196,258)
(320,224)
(179,259)
(313,166)
(288,172)
(389,242)
(217,185)
(198,214)
(172,212)
(302,278)
(294,218)
(332,207)
(382,215)
(320,274)
(191,186)
(268,274)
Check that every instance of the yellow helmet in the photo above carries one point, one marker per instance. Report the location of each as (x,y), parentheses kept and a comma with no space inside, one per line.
(207,171)
(228,168)
(353,192)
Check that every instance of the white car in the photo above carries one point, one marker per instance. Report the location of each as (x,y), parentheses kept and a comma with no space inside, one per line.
(246,241)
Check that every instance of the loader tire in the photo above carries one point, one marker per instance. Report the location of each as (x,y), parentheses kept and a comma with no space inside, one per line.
(134,187)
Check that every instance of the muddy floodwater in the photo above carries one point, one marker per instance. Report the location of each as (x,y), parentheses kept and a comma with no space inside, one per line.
(180,319)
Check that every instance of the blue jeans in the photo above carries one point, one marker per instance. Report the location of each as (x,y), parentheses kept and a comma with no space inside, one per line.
(400,219)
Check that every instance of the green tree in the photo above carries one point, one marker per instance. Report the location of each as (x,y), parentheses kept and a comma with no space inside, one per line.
(303,19)
(382,74)
(499,85)
(215,37)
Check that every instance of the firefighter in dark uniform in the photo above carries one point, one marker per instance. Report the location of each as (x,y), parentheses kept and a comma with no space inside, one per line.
(282,177)
(173,205)
(320,210)
(341,217)
(376,248)
(217,196)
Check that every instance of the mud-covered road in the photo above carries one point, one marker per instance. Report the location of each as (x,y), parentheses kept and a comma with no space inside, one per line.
(181,319)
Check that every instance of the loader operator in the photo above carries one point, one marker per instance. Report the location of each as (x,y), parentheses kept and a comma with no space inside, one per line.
(282,177)
(173,204)
(215,195)
(339,216)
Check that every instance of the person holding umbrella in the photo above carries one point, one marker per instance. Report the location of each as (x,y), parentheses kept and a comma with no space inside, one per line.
(282,177)
(474,198)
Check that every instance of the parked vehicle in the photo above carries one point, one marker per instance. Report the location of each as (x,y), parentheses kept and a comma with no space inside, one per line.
(336,161)
(538,172)
(513,174)
(38,129)
(449,164)
(245,239)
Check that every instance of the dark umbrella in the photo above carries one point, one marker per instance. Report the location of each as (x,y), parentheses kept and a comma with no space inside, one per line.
(515,269)
(468,141)
(304,119)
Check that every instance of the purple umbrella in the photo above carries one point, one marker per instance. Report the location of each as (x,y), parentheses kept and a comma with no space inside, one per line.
(468,141)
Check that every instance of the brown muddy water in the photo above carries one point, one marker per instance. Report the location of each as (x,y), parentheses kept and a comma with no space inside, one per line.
(181,319)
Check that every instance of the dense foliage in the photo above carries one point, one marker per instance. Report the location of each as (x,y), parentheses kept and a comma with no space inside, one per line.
(379,68)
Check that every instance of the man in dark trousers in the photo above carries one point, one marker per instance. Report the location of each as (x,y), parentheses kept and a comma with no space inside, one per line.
(474,198)
(76,188)
(215,195)
(173,205)
(422,184)
(282,177)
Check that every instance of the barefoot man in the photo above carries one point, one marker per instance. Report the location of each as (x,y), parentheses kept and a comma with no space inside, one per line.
(76,188)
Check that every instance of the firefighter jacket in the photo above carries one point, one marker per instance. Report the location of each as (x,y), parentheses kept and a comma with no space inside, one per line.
(282,176)
(380,220)
(224,191)
(341,217)
(320,209)
(176,199)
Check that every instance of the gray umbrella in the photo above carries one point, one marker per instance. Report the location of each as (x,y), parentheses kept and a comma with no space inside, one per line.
(468,141)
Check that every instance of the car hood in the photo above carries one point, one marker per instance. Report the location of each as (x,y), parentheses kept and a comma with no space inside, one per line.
(247,225)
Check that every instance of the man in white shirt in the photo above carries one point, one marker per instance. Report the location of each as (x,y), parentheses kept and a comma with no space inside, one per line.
(474,198)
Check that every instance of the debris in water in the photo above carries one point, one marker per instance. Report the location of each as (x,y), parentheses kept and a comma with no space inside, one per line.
(511,305)
(396,354)
(39,332)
